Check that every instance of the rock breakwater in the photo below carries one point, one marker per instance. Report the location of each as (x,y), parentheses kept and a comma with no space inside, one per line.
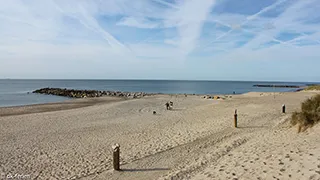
(276,86)
(73,93)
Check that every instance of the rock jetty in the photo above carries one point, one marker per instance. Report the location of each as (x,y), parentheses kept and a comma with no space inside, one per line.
(72,93)
(276,86)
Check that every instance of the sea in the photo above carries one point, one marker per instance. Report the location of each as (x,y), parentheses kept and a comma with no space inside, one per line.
(14,92)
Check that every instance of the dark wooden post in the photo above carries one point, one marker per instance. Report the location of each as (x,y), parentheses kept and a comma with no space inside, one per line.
(283,108)
(235,119)
(299,128)
(116,157)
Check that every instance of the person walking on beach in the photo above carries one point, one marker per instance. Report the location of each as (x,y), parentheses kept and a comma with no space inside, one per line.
(167,106)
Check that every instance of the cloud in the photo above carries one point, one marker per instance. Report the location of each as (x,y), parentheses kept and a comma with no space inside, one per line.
(247,20)
(132,38)
(283,23)
(137,22)
(166,4)
(189,19)
(88,20)
(171,42)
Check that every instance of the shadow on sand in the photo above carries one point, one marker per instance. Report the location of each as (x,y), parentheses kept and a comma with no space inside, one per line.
(177,109)
(143,170)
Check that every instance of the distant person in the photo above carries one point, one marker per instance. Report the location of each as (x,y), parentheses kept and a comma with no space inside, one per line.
(171,103)
(167,106)
(234,92)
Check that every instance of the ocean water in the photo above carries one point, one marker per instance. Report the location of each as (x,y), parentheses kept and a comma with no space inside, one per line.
(18,92)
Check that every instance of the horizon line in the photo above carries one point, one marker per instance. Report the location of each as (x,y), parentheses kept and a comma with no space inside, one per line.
(101,79)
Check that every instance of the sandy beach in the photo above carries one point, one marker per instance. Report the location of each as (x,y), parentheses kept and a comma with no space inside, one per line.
(195,140)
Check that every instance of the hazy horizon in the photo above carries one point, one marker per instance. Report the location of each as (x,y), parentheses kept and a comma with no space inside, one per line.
(101,79)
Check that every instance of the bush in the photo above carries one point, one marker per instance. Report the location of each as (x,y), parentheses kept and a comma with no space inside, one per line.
(309,115)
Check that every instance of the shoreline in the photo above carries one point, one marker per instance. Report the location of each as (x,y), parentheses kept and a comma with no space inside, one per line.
(56,106)
(68,94)
(75,103)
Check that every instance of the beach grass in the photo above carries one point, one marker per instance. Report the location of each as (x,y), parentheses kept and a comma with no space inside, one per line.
(312,88)
(309,114)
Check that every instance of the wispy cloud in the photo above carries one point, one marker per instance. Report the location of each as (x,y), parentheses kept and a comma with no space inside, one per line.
(189,19)
(88,20)
(137,22)
(164,33)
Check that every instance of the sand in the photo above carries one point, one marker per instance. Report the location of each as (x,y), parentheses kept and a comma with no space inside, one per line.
(196,140)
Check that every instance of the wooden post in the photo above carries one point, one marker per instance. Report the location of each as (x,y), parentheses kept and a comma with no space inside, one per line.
(116,157)
(235,119)
(283,108)
(299,128)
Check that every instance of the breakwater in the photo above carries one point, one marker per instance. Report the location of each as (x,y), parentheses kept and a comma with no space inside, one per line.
(277,86)
(73,93)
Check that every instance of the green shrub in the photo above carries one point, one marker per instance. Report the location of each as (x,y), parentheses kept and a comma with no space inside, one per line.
(309,115)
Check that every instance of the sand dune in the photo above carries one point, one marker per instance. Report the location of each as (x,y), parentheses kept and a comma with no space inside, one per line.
(196,140)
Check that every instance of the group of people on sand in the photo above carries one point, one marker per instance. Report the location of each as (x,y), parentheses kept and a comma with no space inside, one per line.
(169,105)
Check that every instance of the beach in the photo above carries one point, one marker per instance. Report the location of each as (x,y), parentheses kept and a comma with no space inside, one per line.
(195,140)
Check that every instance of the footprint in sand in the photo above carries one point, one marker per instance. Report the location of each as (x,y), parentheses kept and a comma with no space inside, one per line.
(313,177)
(210,176)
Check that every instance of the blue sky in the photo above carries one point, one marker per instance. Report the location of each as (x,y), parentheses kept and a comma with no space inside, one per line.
(161,39)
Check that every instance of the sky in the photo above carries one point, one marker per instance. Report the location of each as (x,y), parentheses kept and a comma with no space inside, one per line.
(161,39)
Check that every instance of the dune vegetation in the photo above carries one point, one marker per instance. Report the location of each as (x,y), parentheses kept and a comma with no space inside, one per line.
(309,114)
(312,88)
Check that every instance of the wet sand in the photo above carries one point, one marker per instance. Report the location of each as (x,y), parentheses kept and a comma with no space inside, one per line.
(48,107)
